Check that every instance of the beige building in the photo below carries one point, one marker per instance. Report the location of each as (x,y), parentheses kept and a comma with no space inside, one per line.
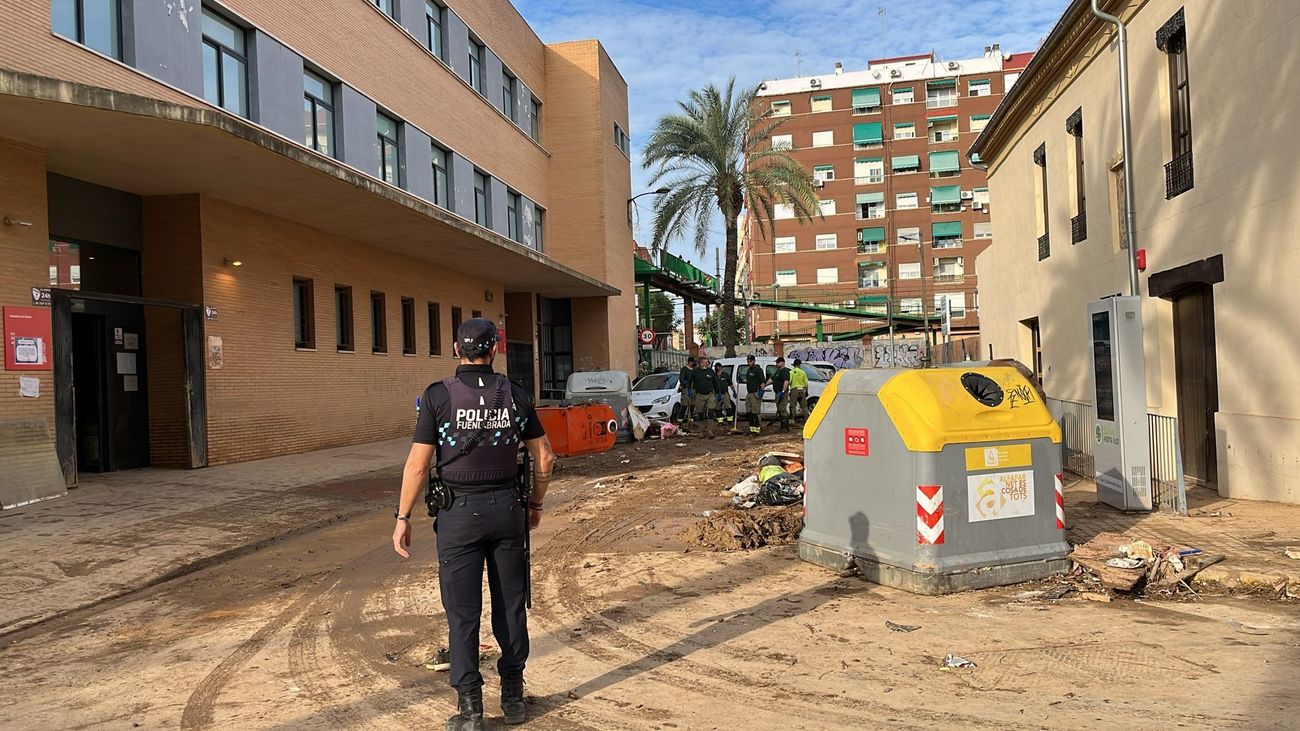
(246,228)
(1214,95)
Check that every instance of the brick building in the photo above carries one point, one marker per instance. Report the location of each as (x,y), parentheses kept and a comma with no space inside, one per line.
(905,213)
(261,220)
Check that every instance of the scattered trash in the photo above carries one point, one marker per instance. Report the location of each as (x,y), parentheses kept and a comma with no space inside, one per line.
(1293,553)
(1124,563)
(1058,592)
(782,489)
(952,661)
(902,627)
(600,486)
(1138,549)
(390,656)
(770,471)
(731,529)
(637,421)
(708,513)
(625,461)
(441,661)
(571,695)
(746,487)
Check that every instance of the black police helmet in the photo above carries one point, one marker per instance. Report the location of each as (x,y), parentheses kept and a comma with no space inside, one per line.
(477,338)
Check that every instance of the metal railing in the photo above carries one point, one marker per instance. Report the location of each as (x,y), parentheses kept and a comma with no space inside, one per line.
(1044,247)
(1178,175)
(1078,228)
(1078,426)
(671,359)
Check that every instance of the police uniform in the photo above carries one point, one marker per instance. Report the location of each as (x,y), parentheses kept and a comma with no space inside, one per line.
(781,388)
(486,524)
(754,377)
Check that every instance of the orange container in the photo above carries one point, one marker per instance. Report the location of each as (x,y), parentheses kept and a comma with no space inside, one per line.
(584,429)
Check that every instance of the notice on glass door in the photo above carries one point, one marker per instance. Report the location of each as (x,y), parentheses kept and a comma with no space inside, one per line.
(126,364)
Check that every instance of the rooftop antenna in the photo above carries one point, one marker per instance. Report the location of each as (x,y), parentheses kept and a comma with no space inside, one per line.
(798,63)
(884,35)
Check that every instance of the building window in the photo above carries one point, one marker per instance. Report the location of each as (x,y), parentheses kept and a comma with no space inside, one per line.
(827,242)
(514,206)
(870,205)
(941,93)
(828,275)
(96,24)
(482,216)
(782,210)
(535,120)
(1040,210)
(786,316)
(866,101)
(456,319)
(408,326)
(304,314)
(1008,80)
(945,164)
(441,188)
(903,95)
(1172,39)
(905,201)
(824,172)
(905,131)
(318,108)
(787,278)
(910,236)
(387,7)
(509,87)
(945,199)
(225,64)
(781,109)
(949,269)
(871,275)
(784,245)
(621,141)
(978,122)
(909,270)
(344,338)
(956,302)
(435,329)
(978,87)
(387,148)
(867,135)
(433,18)
(983,230)
(539,227)
(871,240)
(868,171)
(827,207)
(904,164)
(945,234)
(476,51)
(782,142)
(1079,222)
(378,324)
(980,196)
(823,139)
(821,104)
(910,305)
(942,129)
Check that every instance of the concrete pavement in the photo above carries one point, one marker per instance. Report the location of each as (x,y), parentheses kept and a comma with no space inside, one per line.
(122,531)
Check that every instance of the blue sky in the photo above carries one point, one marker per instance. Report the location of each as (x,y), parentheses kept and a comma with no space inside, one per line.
(665,48)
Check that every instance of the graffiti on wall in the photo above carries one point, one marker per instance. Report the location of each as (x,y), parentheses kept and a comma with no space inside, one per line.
(899,354)
(840,354)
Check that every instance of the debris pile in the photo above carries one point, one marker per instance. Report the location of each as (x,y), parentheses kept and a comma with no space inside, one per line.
(1120,563)
(779,482)
(733,529)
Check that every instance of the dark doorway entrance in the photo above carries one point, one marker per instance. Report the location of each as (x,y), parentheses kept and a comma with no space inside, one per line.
(110,378)
(519,361)
(1196,372)
(1035,347)
(556,345)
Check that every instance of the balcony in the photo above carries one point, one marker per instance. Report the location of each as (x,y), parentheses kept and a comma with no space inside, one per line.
(1178,175)
(940,102)
(1079,228)
(872,247)
(1044,247)
(872,284)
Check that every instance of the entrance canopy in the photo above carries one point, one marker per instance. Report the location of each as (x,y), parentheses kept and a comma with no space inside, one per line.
(150,147)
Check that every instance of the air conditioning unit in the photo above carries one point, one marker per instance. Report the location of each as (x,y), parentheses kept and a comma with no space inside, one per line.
(895,73)
(819,183)
(977,205)
(815,83)
(967,195)
(953,65)
(849,303)
(875,74)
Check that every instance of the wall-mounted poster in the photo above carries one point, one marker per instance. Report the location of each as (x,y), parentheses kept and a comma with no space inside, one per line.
(27,339)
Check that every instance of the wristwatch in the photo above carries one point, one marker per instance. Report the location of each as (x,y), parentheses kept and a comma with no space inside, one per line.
(399,516)
(535,506)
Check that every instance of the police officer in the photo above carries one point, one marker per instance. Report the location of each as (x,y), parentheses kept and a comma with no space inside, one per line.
(754,378)
(780,381)
(726,396)
(799,389)
(705,385)
(473,425)
(685,385)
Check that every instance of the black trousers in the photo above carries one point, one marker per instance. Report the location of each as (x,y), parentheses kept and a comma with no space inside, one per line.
(478,530)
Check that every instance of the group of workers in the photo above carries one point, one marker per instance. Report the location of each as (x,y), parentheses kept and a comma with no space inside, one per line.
(710,393)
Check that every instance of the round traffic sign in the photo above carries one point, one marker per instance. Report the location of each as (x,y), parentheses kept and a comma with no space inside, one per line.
(647,336)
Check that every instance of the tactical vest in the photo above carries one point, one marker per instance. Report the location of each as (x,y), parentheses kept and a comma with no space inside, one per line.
(482,420)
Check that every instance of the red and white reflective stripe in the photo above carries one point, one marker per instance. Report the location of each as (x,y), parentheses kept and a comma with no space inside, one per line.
(1060,501)
(929,515)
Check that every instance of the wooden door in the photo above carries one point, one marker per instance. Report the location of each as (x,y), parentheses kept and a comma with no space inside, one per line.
(1197,381)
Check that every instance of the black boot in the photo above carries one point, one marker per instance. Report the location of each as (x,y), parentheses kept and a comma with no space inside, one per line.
(470,717)
(512,699)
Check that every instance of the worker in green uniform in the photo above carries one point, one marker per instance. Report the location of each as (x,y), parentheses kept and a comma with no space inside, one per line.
(726,396)
(687,401)
(705,384)
(780,381)
(755,379)
(799,389)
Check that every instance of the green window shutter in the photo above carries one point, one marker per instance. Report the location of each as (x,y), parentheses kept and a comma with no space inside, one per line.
(979,82)
(945,194)
(903,162)
(944,162)
(902,90)
(981,116)
(866,97)
(870,198)
(867,133)
(941,84)
(823,168)
(975,157)
(935,120)
(904,125)
(821,98)
(872,235)
(865,160)
(945,229)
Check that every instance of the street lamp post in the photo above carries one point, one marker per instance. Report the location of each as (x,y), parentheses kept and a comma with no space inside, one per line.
(658,191)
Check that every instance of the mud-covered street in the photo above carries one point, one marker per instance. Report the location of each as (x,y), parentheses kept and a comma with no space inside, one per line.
(634,628)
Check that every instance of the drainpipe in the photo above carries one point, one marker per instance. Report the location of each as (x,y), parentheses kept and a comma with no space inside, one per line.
(1126,122)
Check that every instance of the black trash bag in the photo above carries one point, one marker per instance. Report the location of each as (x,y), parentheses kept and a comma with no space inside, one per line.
(782,489)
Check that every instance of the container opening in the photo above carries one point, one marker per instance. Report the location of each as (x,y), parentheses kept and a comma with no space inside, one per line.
(982,388)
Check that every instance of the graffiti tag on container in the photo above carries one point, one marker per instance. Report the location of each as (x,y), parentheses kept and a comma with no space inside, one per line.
(1020,396)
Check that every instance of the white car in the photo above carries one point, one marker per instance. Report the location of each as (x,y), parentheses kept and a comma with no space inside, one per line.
(656,395)
(732,367)
(827,369)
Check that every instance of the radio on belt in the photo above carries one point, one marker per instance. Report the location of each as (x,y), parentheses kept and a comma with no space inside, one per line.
(934,480)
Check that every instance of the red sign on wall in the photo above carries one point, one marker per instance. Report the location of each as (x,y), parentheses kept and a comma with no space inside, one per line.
(501,341)
(28,344)
(855,443)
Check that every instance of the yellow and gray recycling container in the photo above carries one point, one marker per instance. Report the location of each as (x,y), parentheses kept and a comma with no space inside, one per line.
(934,480)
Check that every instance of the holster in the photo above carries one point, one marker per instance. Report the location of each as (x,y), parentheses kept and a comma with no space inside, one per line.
(437,496)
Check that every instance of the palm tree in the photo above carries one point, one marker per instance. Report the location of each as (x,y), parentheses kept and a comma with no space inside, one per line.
(716,155)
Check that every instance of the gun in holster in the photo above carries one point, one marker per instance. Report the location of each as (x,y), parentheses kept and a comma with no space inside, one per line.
(524,482)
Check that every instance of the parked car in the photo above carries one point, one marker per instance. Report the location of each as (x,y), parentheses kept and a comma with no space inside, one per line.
(656,395)
(827,369)
(731,367)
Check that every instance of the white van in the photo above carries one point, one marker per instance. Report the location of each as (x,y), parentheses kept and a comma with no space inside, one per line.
(732,368)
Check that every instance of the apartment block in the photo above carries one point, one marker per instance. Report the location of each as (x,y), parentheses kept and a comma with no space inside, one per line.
(244,228)
(904,213)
